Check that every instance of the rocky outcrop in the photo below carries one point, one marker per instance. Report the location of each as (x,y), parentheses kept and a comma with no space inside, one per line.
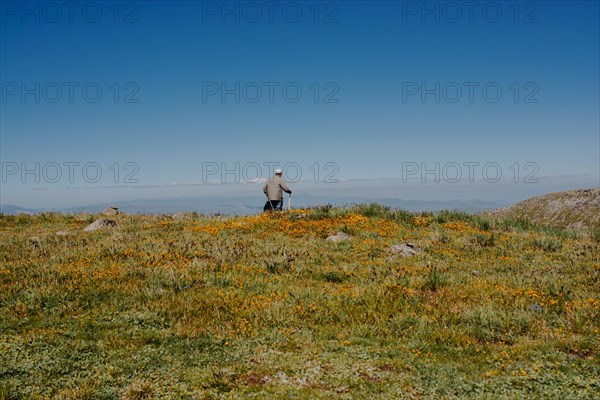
(101,223)
(111,211)
(573,209)
(339,237)
(405,249)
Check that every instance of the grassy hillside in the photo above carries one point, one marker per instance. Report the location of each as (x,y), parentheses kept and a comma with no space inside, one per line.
(264,307)
(572,209)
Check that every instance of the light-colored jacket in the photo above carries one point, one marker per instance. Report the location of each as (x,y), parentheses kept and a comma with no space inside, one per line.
(275,187)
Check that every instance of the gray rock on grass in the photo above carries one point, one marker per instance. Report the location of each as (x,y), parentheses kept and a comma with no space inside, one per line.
(101,223)
(111,211)
(405,249)
(339,237)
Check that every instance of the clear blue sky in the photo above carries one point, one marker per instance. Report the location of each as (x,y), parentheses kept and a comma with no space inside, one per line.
(366,55)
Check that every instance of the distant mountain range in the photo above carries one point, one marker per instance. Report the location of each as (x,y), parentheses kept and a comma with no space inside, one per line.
(244,205)
(573,209)
(10,209)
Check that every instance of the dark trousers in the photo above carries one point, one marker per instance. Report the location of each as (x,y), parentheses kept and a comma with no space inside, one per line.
(273,205)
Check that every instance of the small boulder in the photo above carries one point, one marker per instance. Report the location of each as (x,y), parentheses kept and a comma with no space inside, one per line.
(62,233)
(101,223)
(111,211)
(339,237)
(405,249)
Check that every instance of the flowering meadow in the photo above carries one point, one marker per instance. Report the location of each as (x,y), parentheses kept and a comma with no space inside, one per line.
(263,306)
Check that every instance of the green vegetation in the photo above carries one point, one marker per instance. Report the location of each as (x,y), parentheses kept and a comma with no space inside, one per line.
(264,307)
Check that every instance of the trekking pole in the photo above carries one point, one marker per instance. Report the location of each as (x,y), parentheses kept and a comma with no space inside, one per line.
(289,202)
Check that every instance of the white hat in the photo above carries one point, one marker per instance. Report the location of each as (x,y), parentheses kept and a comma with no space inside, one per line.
(277,171)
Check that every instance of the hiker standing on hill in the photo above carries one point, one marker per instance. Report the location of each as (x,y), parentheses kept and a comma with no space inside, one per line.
(274,189)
